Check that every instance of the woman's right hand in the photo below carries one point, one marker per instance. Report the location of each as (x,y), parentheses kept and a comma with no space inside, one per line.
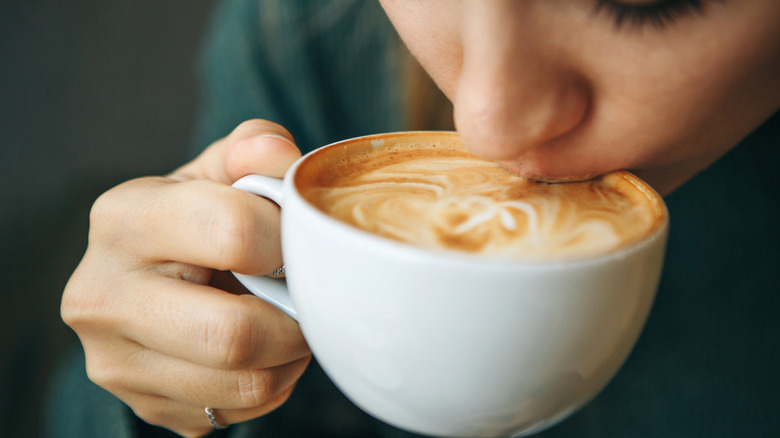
(164,327)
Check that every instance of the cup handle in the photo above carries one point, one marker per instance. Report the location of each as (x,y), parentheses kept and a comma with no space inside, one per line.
(272,290)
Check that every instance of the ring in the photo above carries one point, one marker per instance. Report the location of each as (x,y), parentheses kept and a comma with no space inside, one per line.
(213,420)
(278,273)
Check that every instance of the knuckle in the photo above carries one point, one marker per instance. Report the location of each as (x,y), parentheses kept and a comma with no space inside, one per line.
(233,160)
(82,305)
(231,339)
(71,308)
(102,373)
(121,209)
(232,231)
(234,228)
(254,388)
(105,215)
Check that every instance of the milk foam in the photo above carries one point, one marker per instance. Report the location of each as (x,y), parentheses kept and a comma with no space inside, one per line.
(452,200)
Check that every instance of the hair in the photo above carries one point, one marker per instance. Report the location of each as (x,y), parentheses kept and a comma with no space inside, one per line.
(424,105)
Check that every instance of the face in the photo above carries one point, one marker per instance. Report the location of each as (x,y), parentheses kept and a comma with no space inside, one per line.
(562,90)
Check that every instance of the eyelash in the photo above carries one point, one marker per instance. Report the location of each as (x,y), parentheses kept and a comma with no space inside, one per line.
(659,14)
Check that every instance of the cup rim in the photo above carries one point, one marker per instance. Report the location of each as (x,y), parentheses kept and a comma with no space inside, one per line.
(451,256)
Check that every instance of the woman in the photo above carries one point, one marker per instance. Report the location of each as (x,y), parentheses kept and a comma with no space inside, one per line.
(552,90)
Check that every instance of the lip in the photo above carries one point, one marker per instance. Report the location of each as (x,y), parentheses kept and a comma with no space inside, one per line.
(518,169)
(430,255)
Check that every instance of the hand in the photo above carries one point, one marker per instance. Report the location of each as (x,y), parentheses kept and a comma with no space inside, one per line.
(163,327)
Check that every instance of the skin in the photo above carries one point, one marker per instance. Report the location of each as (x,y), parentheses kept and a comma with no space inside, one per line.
(163,327)
(548,88)
(554,91)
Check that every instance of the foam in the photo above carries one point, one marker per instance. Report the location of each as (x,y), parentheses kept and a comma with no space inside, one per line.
(446,198)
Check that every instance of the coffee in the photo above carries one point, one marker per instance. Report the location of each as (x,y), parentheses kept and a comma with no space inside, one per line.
(429,191)
(372,310)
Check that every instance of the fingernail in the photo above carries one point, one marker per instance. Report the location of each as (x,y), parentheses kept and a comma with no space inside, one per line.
(277,136)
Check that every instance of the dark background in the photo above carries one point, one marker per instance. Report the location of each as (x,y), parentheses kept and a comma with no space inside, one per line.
(92,92)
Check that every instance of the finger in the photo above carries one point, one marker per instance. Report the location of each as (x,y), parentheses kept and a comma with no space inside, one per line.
(201,222)
(190,420)
(203,325)
(243,389)
(149,372)
(255,146)
(260,149)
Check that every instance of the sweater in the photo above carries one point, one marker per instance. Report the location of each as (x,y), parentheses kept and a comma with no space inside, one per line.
(705,364)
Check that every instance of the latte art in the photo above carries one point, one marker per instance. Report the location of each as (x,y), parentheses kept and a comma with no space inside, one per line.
(444,198)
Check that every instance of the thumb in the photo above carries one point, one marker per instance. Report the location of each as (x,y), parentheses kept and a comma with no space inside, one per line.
(255,146)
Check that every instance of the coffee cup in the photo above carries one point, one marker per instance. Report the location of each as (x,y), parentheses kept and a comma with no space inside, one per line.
(451,334)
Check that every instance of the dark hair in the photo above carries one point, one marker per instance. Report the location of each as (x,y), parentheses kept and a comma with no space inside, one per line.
(425,106)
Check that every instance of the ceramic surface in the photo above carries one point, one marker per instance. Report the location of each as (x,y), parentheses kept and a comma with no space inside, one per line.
(453,345)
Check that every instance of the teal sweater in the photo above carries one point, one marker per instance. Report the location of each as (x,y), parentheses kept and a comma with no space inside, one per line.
(706,363)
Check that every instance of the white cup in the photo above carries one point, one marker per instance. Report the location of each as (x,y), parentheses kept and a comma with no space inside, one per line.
(450,344)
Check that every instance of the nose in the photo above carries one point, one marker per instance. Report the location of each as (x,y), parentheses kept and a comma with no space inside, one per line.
(516,93)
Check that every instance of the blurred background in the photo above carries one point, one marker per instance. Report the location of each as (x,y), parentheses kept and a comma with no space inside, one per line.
(91,93)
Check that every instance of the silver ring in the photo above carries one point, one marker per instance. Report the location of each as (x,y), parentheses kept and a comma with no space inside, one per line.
(213,420)
(279,272)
